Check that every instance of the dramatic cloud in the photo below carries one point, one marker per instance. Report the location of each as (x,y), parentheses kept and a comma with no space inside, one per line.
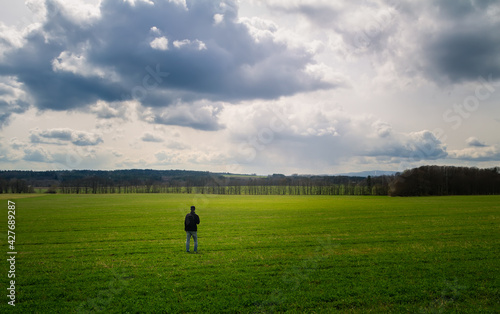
(468,43)
(449,42)
(156,52)
(289,86)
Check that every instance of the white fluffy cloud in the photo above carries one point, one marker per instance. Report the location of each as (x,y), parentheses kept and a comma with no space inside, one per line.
(323,136)
(477,151)
(104,110)
(160,43)
(487,153)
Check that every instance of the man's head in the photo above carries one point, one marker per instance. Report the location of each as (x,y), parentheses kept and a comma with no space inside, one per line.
(192,209)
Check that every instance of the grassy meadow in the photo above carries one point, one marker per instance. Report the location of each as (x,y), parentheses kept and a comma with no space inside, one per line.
(257,254)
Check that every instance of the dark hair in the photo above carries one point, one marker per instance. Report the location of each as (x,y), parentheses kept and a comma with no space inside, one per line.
(192,207)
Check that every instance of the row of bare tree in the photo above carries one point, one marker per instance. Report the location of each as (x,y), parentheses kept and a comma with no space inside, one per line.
(423,181)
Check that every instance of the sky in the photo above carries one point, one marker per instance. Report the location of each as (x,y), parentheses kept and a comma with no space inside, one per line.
(276,86)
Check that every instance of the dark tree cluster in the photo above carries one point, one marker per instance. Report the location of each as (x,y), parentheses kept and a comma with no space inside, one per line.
(15,186)
(25,181)
(423,181)
(94,181)
(446,180)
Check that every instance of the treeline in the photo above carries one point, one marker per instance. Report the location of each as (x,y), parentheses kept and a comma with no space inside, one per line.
(16,186)
(180,181)
(444,180)
(423,181)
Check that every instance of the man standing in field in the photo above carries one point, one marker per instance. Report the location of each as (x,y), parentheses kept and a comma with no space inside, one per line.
(190,225)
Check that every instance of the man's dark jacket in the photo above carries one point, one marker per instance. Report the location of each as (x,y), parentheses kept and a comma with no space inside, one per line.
(191,221)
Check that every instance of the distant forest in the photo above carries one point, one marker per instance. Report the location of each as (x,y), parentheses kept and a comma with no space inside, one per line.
(423,181)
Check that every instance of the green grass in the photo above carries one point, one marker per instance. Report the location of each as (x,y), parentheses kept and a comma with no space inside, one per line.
(258,254)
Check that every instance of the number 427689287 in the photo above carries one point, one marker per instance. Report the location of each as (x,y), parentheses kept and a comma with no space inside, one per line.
(12,224)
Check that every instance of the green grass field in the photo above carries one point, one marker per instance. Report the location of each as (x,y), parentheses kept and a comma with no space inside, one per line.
(257,254)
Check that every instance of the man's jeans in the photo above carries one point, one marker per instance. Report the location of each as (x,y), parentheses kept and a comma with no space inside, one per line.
(195,238)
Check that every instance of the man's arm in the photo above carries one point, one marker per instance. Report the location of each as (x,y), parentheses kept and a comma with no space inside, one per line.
(197,219)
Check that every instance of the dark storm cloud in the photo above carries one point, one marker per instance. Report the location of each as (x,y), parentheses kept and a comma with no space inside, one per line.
(465,44)
(129,52)
(465,53)
(457,9)
(32,66)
